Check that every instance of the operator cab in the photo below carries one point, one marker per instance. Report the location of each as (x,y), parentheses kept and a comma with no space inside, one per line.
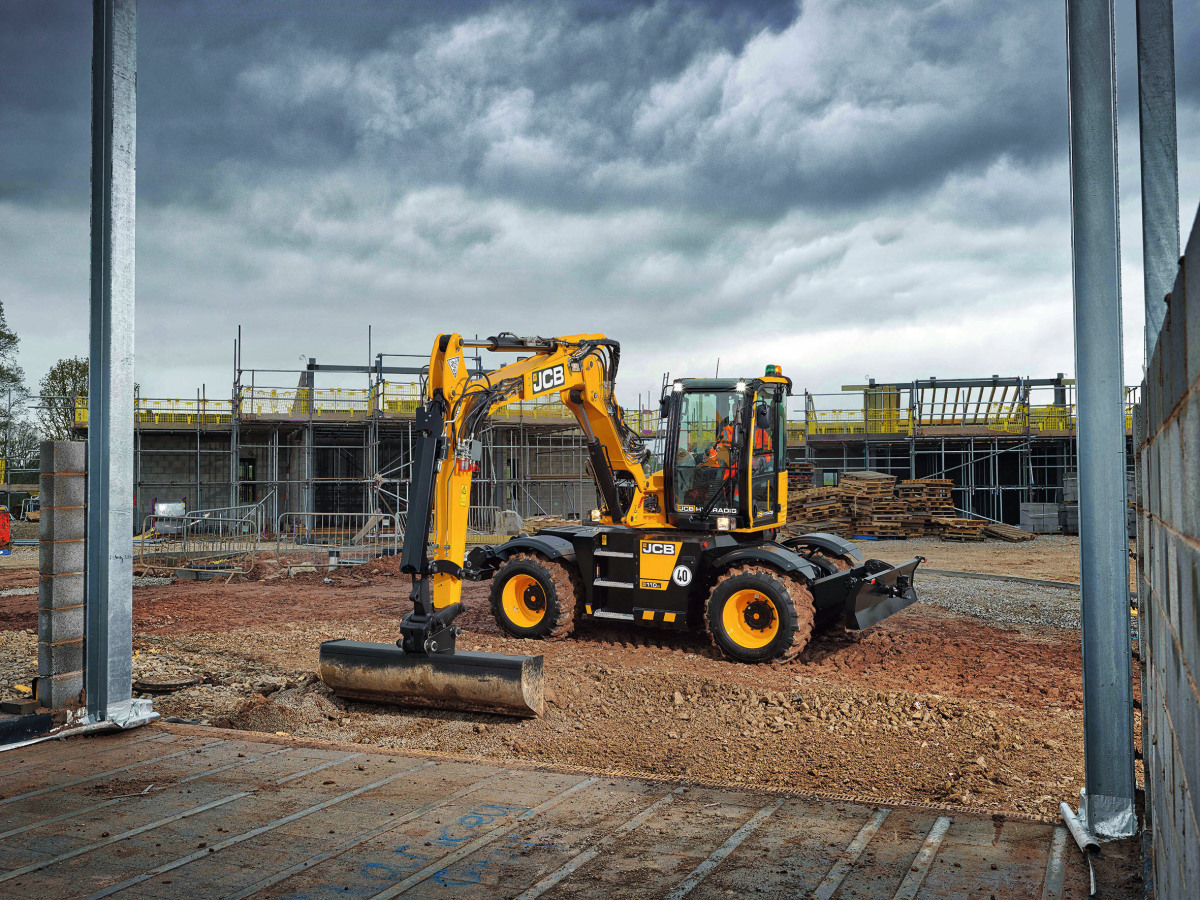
(724,466)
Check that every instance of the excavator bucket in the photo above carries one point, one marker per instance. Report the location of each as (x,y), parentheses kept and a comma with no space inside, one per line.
(477,682)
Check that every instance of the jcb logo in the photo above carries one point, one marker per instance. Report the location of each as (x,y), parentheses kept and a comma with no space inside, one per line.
(547,379)
(658,549)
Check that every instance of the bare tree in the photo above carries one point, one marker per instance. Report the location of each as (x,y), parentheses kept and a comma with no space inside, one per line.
(58,393)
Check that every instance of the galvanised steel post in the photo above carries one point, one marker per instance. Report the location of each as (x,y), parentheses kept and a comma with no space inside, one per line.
(1103,541)
(109,571)
(1160,159)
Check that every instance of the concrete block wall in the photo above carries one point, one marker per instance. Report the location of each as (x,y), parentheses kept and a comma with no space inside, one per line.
(167,467)
(60,574)
(1168,462)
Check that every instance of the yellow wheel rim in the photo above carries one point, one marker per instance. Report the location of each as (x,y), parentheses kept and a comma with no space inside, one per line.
(750,619)
(524,600)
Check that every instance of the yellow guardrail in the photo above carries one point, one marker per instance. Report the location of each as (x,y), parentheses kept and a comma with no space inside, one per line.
(1051,418)
(846,421)
(170,412)
(404,399)
(300,403)
(1020,419)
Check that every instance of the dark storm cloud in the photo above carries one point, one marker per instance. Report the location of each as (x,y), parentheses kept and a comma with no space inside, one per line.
(586,107)
(699,179)
(736,109)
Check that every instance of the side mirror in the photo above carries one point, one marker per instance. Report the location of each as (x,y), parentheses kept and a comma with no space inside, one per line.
(664,406)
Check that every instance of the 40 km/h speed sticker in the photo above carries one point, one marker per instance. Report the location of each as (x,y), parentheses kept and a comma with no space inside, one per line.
(682,576)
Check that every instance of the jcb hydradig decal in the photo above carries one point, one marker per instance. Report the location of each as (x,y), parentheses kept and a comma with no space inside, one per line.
(656,563)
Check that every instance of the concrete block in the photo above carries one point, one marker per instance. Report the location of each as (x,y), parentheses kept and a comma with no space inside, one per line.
(61,591)
(60,557)
(64,456)
(58,524)
(65,656)
(63,490)
(60,691)
(56,625)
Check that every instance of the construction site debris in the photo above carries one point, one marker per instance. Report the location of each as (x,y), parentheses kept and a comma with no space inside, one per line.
(994,664)
(535,523)
(1008,533)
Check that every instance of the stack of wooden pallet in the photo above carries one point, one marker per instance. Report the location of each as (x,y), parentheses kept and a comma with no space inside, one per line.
(800,475)
(874,508)
(818,509)
(926,499)
(960,529)
(927,495)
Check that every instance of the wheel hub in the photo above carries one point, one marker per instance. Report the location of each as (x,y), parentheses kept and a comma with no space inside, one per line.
(533,598)
(759,614)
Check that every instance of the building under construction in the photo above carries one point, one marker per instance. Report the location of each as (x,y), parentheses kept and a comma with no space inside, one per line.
(293,444)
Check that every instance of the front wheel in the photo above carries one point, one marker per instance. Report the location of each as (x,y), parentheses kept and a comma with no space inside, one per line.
(533,597)
(756,614)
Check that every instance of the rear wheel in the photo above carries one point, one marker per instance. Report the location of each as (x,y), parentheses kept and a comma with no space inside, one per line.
(533,597)
(756,614)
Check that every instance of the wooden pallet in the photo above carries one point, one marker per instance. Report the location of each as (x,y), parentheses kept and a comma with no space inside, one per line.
(960,529)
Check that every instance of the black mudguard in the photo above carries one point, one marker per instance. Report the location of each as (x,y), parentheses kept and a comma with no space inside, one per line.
(774,555)
(877,591)
(482,562)
(549,545)
(827,543)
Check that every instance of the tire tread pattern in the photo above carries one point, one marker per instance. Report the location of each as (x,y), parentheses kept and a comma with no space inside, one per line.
(567,587)
(802,603)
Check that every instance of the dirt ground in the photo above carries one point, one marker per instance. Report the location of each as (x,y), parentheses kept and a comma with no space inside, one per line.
(928,706)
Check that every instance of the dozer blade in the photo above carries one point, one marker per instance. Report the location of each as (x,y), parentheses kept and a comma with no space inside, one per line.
(479,682)
(881,594)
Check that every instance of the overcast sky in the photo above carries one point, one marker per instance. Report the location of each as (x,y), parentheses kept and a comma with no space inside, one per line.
(848,189)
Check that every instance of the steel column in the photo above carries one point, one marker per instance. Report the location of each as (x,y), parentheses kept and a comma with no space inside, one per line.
(109,581)
(1103,542)
(1160,159)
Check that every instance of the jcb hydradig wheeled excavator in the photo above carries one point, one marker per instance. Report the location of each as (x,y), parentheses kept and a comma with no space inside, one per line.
(686,543)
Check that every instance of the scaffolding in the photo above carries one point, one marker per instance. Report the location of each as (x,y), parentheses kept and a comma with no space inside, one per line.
(303,447)
(1002,441)
(297,447)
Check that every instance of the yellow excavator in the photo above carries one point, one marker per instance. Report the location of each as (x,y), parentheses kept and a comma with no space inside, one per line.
(685,542)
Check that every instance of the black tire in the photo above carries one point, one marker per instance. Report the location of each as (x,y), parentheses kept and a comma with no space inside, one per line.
(776,617)
(533,597)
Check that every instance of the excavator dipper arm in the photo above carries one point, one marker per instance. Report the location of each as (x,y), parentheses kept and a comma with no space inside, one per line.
(425,668)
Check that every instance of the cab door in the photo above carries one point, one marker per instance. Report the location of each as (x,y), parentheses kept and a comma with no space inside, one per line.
(768,454)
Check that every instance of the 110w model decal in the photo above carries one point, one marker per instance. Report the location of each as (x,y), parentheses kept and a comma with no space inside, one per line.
(549,378)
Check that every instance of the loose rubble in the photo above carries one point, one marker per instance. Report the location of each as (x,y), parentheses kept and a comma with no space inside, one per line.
(971,697)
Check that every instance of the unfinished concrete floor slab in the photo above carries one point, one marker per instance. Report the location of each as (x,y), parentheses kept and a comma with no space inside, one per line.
(194,812)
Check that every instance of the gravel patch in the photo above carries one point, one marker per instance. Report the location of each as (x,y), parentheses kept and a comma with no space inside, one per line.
(1002,602)
(18,661)
(19,592)
(147,581)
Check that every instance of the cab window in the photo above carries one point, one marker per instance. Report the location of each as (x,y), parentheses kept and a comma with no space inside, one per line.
(708,427)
